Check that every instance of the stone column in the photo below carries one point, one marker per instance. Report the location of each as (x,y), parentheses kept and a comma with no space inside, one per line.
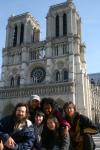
(23,80)
(4,69)
(25,32)
(7,35)
(83,57)
(79,79)
(69,22)
(71,66)
(49,27)
(74,22)
(48,49)
(5,57)
(87,96)
(24,66)
(18,33)
(60,49)
(71,60)
(11,35)
(49,62)
(49,71)
(79,27)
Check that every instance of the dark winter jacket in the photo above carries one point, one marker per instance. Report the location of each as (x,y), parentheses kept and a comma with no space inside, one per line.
(52,140)
(24,138)
(80,132)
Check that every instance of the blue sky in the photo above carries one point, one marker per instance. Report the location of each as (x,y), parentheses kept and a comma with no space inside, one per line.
(89,10)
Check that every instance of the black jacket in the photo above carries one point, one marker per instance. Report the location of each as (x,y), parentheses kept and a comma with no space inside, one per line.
(54,139)
(81,127)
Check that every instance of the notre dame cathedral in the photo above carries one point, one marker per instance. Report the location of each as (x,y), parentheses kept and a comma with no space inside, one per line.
(54,67)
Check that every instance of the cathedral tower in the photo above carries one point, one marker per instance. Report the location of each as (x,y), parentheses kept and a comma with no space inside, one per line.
(54,67)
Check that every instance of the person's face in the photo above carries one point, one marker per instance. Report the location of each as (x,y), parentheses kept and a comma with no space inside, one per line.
(70,110)
(47,109)
(51,124)
(21,113)
(38,119)
(35,103)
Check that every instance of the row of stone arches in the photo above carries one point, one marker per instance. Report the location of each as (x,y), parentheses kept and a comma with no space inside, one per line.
(57,25)
(15,34)
(38,75)
(61,76)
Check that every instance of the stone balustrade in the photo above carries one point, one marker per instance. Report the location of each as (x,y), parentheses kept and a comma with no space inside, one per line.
(43,90)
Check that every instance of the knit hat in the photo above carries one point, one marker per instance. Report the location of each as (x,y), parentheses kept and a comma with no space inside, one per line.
(35,97)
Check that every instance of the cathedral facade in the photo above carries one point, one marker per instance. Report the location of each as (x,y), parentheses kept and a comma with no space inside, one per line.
(54,67)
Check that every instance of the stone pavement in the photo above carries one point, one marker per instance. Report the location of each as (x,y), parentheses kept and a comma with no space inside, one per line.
(97,141)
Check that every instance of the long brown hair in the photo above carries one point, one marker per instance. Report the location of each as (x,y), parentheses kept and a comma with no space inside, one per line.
(55,120)
(67,104)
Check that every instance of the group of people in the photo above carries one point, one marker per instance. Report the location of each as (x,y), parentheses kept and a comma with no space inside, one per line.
(40,124)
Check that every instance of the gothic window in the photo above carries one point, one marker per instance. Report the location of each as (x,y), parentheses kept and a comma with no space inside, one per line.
(12,82)
(57,26)
(15,36)
(56,50)
(64,49)
(92,82)
(22,34)
(33,55)
(57,76)
(18,81)
(38,75)
(65,75)
(64,24)
(30,55)
(20,57)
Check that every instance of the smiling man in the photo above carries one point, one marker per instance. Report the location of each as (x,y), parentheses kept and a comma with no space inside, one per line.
(16,131)
(34,106)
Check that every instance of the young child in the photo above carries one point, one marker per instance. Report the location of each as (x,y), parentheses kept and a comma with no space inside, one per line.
(38,128)
(53,137)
